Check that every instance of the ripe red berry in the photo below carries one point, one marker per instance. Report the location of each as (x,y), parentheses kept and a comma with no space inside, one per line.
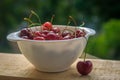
(38,38)
(45,32)
(51,36)
(47,26)
(56,29)
(37,33)
(65,33)
(24,32)
(84,67)
(67,37)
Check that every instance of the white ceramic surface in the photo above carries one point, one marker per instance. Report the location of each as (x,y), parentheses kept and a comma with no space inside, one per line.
(52,55)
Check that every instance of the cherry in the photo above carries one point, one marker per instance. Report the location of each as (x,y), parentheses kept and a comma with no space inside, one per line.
(67,37)
(43,35)
(45,32)
(83,33)
(37,33)
(38,38)
(51,36)
(24,32)
(78,33)
(31,35)
(47,26)
(58,36)
(44,28)
(65,33)
(56,29)
(84,67)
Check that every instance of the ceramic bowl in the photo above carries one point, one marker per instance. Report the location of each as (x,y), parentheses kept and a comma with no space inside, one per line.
(52,55)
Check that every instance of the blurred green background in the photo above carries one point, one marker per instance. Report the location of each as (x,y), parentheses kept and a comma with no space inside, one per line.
(101,15)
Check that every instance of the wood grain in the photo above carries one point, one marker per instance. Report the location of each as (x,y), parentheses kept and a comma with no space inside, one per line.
(17,67)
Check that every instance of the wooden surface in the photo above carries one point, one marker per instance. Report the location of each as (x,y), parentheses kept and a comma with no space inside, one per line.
(16,67)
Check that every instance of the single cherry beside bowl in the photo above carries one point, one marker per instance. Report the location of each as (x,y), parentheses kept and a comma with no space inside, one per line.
(84,67)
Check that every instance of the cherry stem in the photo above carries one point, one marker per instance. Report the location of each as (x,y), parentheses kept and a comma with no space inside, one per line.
(84,56)
(69,21)
(34,24)
(73,20)
(30,15)
(74,23)
(83,23)
(52,18)
(34,13)
(28,20)
(84,49)
(68,30)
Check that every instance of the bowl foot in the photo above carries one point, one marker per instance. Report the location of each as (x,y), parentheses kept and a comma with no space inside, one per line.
(56,70)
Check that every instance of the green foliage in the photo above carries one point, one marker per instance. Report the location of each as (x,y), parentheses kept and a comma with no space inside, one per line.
(105,9)
(107,43)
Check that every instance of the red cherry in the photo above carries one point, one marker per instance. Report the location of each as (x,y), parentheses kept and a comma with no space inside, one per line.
(84,67)
(51,36)
(30,35)
(58,36)
(65,33)
(37,33)
(38,38)
(24,32)
(56,29)
(67,37)
(79,33)
(83,33)
(43,35)
(45,32)
(47,26)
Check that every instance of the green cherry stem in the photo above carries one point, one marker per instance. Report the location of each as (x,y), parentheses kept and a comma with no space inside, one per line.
(84,50)
(69,21)
(34,24)
(74,23)
(52,18)
(34,13)
(28,20)
(84,56)
(83,23)
(73,20)
(30,15)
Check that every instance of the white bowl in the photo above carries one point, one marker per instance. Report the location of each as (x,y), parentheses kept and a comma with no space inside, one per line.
(52,55)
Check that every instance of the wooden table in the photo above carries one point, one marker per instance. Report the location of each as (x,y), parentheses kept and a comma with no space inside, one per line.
(16,67)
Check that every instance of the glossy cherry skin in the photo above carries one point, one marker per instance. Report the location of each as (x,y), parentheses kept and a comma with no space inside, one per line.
(51,36)
(56,29)
(37,33)
(47,26)
(45,32)
(84,67)
(38,38)
(65,33)
(24,32)
(67,37)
